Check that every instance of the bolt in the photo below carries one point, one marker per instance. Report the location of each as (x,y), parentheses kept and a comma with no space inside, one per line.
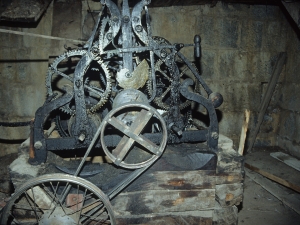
(78,83)
(126,19)
(38,145)
(128,75)
(139,28)
(81,137)
(95,50)
(109,36)
(215,135)
(163,54)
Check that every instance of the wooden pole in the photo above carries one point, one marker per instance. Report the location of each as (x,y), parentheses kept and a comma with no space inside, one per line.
(244,132)
(271,86)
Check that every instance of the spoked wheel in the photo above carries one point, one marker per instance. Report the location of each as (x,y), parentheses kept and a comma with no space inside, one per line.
(131,122)
(58,199)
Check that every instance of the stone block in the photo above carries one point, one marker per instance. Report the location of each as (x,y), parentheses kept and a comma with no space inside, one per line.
(231,124)
(176,27)
(290,146)
(260,65)
(232,65)
(264,12)
(232,10)
(208,64)
(251,35)
(275,36)
(229,32)
(6,149)
(238,96)
(288,126)
(292,67)
(290,97)
(207,31)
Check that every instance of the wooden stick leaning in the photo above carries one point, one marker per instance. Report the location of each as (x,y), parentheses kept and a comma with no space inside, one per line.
(244,132)
(270,89)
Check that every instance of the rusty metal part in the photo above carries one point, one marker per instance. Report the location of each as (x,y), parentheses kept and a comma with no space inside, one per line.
(31,141)
(132,134)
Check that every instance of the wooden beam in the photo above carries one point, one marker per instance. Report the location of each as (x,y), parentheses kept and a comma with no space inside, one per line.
(281,60)
(262,163)
(280,192)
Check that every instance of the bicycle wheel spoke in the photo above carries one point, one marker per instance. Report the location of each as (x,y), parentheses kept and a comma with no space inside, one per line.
(34,204)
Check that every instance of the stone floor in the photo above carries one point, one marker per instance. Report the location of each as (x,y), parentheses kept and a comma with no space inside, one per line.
(259,206)
(262,208)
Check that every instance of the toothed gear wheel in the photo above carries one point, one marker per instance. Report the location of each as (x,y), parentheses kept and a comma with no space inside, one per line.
(55,75)
(162,99)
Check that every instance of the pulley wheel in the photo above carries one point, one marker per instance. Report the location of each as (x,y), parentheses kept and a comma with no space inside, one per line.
(133,121)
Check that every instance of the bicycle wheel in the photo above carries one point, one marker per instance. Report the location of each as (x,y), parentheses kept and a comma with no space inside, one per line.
(58,199)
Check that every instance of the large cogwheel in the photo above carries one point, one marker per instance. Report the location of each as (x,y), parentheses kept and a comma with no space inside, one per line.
(164,79)
(97,80)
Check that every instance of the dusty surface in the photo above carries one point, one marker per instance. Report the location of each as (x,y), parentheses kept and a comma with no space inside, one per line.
(260,207)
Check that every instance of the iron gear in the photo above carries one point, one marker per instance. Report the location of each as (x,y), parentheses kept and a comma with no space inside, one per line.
(93,90)
(165,73)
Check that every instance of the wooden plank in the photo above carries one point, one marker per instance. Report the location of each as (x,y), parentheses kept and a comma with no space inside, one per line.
(176,218)
(286,195)
(183,180)
(281,60)
(262,163)
(287,159)
(244,132)
(146,202)
(175,180)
